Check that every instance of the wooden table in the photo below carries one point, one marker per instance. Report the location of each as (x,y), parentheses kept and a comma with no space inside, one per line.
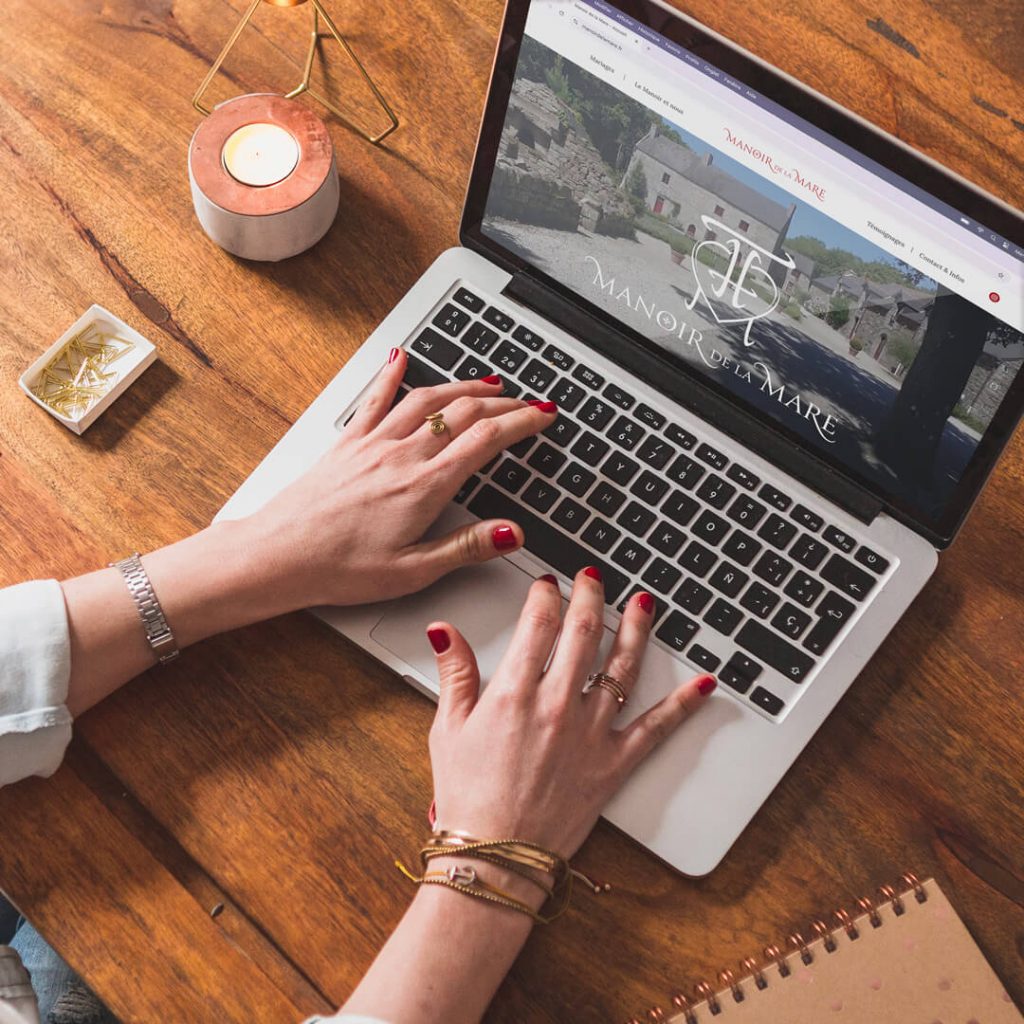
(218,845)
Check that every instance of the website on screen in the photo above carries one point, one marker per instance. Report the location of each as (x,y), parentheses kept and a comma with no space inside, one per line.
(875,327)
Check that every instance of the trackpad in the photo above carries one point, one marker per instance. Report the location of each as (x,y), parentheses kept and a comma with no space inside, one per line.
(482,601)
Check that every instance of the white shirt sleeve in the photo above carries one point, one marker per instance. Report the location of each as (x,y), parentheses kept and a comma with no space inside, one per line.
(35,669)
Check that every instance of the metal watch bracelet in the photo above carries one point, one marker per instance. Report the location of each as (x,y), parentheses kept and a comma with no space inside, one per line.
(158,633)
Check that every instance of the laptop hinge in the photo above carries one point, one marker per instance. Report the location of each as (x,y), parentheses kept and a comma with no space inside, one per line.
(692,395)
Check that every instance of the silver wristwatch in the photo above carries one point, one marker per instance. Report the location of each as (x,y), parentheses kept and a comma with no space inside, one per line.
(158,633)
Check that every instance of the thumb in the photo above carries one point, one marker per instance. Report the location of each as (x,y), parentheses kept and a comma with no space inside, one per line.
(475,542)
(457,671)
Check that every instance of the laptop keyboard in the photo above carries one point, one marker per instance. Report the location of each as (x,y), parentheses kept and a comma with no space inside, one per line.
(749,583)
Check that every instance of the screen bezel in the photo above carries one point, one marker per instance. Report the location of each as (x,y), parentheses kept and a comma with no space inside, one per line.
(843,125)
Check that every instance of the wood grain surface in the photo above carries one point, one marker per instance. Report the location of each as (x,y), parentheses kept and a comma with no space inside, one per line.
(218,846)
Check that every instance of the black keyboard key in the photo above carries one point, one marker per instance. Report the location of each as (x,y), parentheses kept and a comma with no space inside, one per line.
(567,395)
(772,568)
(775,497)
(791,621)
(742,476)
(733,679)
(600,535)
(655,452)
(606,499)
(703,658)
(498,319)
(520,448)
(631,555)
(467,489)
(712,456)
(562,431)
(596,414)
(839,539)
(680,508)
(680,436)
(636,518)
(480,338)
(451,320)
(510,389)
(685,472)
(697,559)
(775,651)
(740,672)
(618,397)
(620,468)
(561,359)
(741,547)
(626,432)
(590,449)
(875,562)
(537,376)
(437,348)
(715,491)
(651,417)
(847,577)
(834,612)
(746,511)
(807,518)
(759,600)
(677,630)
(540,495)
(728,579)
(545,541)
(576,480)
(509,357)
(418,374)
(661,575)
(777,531)
(570,515)
(834,607)
(710,528)
(472,369)
(526,337)
(692,596)
(649,488)
(808,551)
(546,460)
(464,297)
(767,701)
(587,376)
(723,616)
(666,539)
(804,589)
(511,475)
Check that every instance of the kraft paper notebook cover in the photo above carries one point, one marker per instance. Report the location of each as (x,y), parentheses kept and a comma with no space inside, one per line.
(912,962)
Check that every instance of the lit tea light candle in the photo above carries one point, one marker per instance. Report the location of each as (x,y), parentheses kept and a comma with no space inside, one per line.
(260,154)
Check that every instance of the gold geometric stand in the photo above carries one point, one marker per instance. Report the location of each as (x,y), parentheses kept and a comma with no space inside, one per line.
(304,86)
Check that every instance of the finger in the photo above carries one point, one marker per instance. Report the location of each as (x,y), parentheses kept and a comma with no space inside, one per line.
(485,438)
(626,657)
(457,671)
(534,636)
(410,413)
(580,638)
(475,542)
(643,734)
(457,418)
(379,396)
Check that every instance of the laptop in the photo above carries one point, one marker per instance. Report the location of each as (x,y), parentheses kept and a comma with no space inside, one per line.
(786,353)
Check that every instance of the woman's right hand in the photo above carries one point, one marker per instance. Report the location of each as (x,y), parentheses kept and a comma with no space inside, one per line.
(533,757)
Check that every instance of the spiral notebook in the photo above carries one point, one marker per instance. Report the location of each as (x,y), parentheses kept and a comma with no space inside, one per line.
(907,959)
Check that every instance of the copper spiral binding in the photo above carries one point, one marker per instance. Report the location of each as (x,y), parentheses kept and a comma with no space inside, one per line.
(867,905)
(682,1002)
(726,977)
(707,993)
(773,953)
(895,900)
(822,931)
(796,940)
(750,965)
(911,879)
(847,922)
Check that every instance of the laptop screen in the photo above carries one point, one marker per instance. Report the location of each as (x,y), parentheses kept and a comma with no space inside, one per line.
(879,325)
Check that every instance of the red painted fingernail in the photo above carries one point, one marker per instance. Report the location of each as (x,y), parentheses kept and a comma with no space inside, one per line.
(548,578)
(439,640)
(393,354)
(593,572)
(504,538)
(547,407)
(432,814)
(491,378)
(707,685)
(646,602)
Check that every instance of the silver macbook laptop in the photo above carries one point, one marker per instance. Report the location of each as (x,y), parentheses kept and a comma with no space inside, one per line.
(785,349)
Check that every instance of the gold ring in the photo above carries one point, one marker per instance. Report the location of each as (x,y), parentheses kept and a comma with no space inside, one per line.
(606,682)
(437,423)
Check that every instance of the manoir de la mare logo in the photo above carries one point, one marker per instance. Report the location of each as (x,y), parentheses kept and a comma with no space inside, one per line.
(736,296)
